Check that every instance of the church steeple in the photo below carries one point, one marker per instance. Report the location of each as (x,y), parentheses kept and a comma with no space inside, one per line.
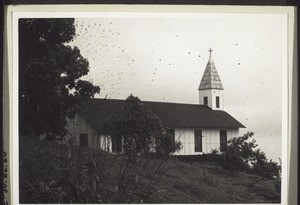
(210,78)
(211,88)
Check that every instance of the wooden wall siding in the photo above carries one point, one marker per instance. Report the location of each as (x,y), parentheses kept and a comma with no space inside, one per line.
(211,97)
(79,126)
(105,143)
(210,140)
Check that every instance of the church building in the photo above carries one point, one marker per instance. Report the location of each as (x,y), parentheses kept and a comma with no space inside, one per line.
(200,128)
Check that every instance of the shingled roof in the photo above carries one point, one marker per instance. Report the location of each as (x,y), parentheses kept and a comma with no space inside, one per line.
(173,115)
(210,78)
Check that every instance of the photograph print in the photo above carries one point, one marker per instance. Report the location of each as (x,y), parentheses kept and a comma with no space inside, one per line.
(151,108)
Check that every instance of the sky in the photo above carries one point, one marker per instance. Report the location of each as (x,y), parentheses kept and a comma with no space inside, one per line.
(163,59)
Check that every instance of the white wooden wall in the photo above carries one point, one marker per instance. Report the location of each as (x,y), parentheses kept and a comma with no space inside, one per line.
(79,126)
(105,143)
(210,137)
(211,97)
(210,140)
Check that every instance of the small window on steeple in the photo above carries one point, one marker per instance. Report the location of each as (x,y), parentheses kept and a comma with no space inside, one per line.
(205,101)
(217,101)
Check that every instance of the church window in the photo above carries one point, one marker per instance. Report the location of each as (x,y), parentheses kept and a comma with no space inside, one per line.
(205,101)
(171,134)
(83,140)
(217,101)
(116,143)
(223,140)
(198,140)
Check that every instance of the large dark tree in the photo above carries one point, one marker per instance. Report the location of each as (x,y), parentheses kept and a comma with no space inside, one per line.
(49,76)
(141,130)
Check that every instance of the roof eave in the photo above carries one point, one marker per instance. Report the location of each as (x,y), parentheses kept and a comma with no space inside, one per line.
(203,127)
(210,88)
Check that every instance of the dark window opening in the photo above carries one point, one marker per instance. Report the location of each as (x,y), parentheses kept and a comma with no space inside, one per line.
(171,134)
(116,144)
(217,101)
(83,140)
(223,140)
(198,140)
(205,101)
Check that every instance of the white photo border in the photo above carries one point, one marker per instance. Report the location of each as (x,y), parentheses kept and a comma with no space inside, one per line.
(139,11)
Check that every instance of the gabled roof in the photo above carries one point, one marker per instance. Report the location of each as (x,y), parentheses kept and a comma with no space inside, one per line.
(210,78)
(173,115)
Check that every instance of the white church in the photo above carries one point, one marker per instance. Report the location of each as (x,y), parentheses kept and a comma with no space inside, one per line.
(200,128)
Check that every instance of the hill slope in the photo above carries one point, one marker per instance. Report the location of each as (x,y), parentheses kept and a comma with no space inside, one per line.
(54,173)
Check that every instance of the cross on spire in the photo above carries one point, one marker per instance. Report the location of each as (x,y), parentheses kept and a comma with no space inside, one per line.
(210,50)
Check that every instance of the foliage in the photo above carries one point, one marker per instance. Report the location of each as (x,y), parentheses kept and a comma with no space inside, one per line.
(242,154)
(55,173)
(265,168)
(166,146)
(141,130)
(49,76)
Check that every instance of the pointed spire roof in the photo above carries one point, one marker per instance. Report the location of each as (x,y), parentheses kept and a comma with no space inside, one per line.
(210,78)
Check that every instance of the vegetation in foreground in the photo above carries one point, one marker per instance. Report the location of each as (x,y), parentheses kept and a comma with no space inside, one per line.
(53,173)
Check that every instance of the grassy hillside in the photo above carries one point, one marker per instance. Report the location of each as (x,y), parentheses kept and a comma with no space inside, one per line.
(53,173)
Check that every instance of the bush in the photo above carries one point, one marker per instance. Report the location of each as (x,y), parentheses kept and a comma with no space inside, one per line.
(56,173)
(242,155)
(140,129)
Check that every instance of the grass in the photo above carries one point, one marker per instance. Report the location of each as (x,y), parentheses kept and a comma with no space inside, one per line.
(52,173)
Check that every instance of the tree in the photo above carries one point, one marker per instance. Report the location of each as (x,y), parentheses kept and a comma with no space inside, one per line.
(50,88)
(242,154)
(239,153)
(140,129)
(265,168)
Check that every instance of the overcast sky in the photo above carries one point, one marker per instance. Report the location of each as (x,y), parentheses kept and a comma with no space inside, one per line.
(163,59)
